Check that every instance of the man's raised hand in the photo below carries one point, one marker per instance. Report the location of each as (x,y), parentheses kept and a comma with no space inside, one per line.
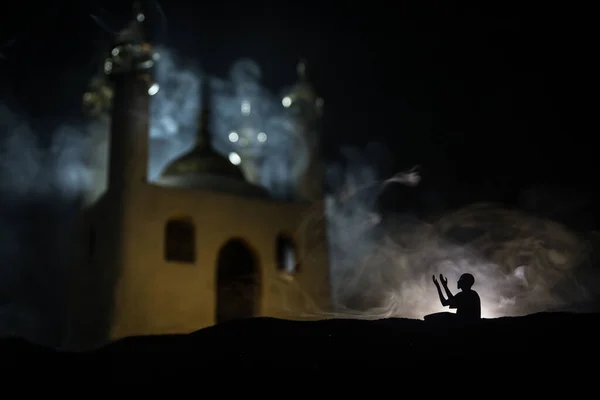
(444,280)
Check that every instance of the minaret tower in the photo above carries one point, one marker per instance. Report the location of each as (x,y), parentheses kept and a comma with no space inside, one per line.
(129,66)
(110,225)
(306,108)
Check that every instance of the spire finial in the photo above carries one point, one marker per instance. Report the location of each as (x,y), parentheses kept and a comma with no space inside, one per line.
(203,138)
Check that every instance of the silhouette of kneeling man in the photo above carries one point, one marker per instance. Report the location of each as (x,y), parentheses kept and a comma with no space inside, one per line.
(466,302)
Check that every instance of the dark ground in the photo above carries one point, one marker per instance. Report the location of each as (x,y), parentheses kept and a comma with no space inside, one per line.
(552,341)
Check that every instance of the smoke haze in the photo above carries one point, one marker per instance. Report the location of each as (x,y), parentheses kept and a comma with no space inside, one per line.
(381,262)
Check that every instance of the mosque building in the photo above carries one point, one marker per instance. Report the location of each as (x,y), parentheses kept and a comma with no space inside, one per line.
(201,244)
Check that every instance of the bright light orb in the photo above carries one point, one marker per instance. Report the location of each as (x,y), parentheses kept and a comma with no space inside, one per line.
(261,137)
(235,158)
(286,101)
(152,90)
(108,66)
(233,137)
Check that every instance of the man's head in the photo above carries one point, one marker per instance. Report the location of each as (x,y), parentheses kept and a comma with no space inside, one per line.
(466,281)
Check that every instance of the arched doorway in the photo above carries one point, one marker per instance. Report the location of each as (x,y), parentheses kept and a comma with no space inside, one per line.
(238,282)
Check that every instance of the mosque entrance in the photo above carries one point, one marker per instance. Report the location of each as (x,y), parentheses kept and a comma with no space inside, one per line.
(238,282)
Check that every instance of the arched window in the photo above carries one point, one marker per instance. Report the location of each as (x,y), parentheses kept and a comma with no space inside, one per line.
(285,253)
(180,240)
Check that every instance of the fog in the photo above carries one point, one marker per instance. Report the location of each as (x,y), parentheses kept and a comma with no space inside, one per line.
(381,262)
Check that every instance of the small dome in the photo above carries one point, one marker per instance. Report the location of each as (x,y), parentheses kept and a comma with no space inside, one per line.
(202,160)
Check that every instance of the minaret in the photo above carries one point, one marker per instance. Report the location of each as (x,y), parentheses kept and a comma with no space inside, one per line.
(306,107)
(129,66)
(110,247)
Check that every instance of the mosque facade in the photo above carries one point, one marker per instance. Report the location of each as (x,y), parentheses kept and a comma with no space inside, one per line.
(202,244)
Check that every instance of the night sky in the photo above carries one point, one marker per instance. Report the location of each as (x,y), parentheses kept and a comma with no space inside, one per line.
(489,100)
(494,102)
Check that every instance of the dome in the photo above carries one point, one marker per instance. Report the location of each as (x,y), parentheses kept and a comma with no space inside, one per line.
(203,168)
(213,183)
(202,160)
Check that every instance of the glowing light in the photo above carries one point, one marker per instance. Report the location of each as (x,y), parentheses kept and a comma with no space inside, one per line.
(153,89)
(290,260)
(246,108)
(108,66)
(140,17)
(147,64)
(261,137)
(115,52)
(486,313)
(235,158)
(233,137)
(286,101)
